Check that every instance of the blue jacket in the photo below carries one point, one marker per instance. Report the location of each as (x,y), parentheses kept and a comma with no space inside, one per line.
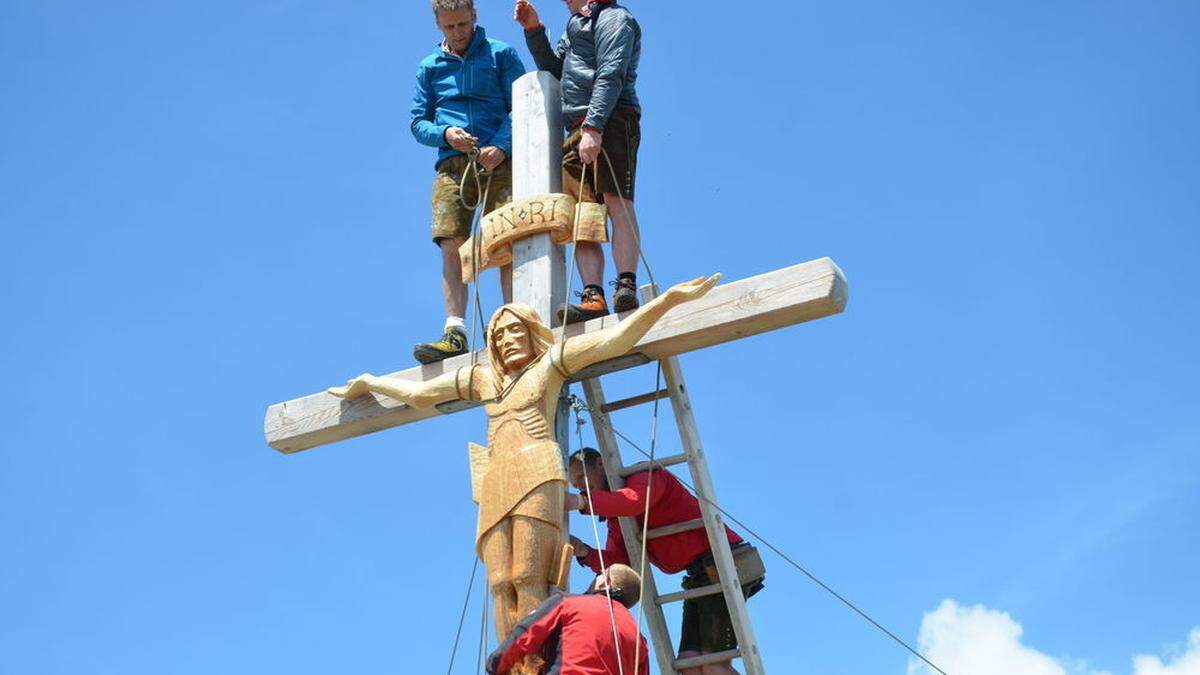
(597,61)
(473,92)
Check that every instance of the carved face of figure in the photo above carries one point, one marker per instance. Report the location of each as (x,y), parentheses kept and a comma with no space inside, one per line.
(513,343)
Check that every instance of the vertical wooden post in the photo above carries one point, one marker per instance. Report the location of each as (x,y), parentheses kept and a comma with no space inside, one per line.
(539,266)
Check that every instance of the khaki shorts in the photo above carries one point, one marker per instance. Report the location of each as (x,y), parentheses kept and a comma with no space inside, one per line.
(622,137)
(450,219)
(706,624)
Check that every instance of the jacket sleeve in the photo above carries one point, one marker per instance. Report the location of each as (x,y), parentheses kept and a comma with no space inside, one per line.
(629,500)
(424,113)
(614,550)
(510,67)
(614,50)
(528,635)
(543,56)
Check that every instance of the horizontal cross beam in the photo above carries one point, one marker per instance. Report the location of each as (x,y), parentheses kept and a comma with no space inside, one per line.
(767,302)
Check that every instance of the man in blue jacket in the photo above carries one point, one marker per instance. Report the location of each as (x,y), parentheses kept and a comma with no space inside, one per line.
(597,61)
(462,106)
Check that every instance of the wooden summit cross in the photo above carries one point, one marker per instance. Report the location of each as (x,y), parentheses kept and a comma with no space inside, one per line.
(728,312)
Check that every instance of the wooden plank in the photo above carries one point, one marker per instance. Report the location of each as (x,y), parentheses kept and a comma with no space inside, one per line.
(711,589)
(706,659)
(770,301)
(659,463)
(606,438)
(539,266)
(669,530)
(636,400)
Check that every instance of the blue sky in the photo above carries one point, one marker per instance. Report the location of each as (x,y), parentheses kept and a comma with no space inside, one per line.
(210,207)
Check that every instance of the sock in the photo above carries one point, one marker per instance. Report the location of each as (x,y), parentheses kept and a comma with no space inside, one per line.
(631,276)
(456,323)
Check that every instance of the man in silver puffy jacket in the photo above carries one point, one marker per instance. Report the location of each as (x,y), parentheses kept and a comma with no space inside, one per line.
(597,60)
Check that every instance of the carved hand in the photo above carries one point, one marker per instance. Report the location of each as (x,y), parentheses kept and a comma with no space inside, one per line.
(354,388)
(691,290)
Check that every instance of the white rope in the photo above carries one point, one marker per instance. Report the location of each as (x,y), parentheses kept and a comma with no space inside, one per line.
(612,617)
(637,648)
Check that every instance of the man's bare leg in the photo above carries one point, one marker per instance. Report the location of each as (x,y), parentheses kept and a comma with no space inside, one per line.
(589,257)
(625,235)
(454,291)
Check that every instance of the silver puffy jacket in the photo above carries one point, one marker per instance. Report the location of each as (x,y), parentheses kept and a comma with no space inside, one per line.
(596,59)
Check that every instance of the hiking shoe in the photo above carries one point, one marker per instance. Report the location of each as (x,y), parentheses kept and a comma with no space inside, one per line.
(453,343)
(591,305)
(625,296)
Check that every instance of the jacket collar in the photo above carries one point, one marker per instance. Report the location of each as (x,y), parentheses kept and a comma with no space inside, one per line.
(592,8)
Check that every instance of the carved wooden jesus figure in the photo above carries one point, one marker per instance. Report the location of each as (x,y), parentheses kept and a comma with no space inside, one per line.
(519,536)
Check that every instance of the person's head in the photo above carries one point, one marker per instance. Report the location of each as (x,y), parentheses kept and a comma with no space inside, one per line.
(456,19)
(516,336)
(587,470)
(619,582)
(576,6)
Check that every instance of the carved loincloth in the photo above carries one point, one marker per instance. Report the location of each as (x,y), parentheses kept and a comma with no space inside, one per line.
(510,487)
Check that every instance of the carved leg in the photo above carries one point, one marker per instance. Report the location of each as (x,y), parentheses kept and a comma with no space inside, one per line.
(497,559)
(537,546)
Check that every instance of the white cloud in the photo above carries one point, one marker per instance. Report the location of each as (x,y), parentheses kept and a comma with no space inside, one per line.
(977,641)
(1187,663)
(981,641)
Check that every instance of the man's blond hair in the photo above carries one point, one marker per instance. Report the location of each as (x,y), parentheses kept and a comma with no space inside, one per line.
(451,5)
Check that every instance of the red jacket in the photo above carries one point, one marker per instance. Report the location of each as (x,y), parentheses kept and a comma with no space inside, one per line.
(670,503)
(574,633)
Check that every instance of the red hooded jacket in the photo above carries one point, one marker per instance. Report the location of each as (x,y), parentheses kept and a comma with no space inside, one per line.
(574,633)
(670,503)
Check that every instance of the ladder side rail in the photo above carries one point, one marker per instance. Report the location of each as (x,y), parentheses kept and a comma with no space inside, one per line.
(689,435)
(714,524)
(656,623)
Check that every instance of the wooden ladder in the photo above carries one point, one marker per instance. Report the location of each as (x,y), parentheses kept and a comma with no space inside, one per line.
(711,521)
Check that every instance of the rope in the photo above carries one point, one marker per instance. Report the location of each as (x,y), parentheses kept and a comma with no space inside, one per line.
(632,220)
(462,616)
(778,552)
(612,618)
(482,629)
(637,648)
(481,192)
(637,230)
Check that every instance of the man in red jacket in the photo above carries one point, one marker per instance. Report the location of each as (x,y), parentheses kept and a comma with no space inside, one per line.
(707,627)
(582,634)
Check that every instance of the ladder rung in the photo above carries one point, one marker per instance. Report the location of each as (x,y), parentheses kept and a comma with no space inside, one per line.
(668,530)
(663,463)
(634,400)
(678,596)
(705,659)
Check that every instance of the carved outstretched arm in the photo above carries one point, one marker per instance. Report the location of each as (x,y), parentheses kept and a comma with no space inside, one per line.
(581,352)
(417,394)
